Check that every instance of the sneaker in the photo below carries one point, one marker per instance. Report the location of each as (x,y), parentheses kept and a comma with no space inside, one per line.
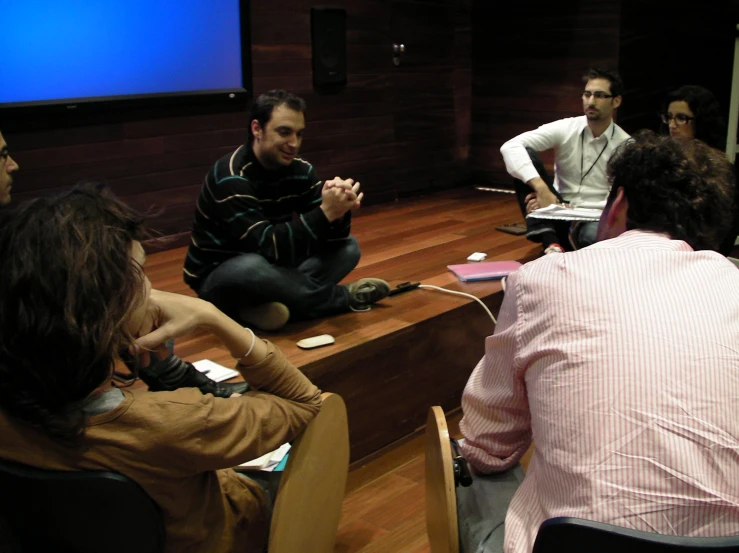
(365,292)
(267,316)
(172,373)
(554,248)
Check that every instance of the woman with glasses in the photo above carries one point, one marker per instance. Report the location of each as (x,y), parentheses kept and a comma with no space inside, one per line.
(693,112)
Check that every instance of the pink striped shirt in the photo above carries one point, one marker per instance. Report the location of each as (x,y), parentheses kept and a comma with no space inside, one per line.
(621,360)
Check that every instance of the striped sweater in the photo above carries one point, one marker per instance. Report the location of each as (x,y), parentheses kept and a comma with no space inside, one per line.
(245,208)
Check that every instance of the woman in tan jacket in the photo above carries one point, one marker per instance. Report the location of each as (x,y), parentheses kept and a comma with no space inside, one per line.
(73,293)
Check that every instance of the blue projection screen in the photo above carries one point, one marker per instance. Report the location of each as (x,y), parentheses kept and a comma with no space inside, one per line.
(65,52)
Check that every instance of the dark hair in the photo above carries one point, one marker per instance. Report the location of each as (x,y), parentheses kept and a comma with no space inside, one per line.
(680,187)
(264,104)
(709,124)
(617,85)
(68,288)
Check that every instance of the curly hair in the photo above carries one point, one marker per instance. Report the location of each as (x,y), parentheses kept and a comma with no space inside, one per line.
(709,123)
(682,188)
(68,288)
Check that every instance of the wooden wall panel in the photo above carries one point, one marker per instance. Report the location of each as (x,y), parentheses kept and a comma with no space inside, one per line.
(398,130)
(475,73)
(527,63)
(463,81)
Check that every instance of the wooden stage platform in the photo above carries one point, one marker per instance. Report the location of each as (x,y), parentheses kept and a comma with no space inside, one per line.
(412,350)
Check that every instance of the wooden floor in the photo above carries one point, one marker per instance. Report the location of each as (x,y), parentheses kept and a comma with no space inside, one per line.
(384,509)
(410,240)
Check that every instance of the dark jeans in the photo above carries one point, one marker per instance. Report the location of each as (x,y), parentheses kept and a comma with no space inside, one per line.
(309,290)
(270,483)
(548,231)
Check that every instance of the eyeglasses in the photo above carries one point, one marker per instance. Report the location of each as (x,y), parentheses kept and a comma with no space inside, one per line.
(680,118)
(599,95)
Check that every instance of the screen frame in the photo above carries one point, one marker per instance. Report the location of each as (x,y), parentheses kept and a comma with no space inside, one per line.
(50,111)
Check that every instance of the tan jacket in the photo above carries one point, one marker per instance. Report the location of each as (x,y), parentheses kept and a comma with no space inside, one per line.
(179,446)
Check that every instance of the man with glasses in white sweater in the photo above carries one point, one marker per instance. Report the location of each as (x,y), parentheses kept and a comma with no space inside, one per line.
(582,147)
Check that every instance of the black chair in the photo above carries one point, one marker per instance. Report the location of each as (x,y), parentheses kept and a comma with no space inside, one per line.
(576,535)
(77,512)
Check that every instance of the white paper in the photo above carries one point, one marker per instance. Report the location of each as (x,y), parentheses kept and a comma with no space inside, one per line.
(268,461)
(216,372)
(563,213)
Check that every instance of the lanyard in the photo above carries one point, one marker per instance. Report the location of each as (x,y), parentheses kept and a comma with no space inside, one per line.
(582,156)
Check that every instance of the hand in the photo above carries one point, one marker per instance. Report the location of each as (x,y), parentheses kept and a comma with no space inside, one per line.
(546,197)
(349,187)
(339,196)
(358,201)
(532,204)
(338,182)
(354,190)
(170,316)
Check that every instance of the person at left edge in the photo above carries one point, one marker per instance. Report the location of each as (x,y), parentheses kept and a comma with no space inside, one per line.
(165,371)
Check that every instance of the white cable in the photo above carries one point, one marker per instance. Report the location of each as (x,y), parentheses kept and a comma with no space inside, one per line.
(478,300)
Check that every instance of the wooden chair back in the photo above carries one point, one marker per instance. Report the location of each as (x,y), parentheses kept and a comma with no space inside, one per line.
(441,495)
(308,504)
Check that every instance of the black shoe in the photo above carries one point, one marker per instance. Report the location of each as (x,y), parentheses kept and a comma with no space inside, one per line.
(172,373)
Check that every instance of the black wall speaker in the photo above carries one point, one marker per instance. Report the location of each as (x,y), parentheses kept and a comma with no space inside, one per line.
(328,37)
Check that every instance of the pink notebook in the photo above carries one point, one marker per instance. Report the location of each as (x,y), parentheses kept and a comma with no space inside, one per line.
(491,270)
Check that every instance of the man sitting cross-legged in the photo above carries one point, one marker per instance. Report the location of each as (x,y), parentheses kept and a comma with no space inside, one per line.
(269,240)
